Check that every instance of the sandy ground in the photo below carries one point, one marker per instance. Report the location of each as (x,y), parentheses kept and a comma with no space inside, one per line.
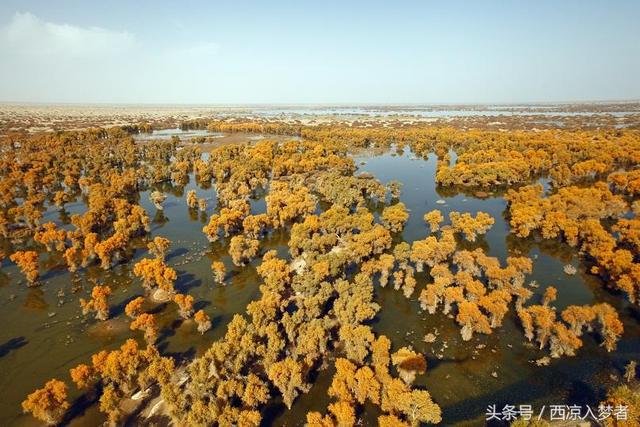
(42,117)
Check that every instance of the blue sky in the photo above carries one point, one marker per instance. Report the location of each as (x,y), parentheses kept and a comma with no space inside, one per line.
(243,52)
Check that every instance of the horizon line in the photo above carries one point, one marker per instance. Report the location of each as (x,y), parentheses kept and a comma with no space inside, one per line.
(318,104)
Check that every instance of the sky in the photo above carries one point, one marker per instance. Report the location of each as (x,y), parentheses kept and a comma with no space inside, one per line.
(319,52)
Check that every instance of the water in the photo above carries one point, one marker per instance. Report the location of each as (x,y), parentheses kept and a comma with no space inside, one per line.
(35,347)
(182,134)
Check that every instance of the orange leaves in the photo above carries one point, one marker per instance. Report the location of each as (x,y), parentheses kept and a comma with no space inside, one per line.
(73,258)
(525,209)
(219,271)
(538,319)
(610,325)
(288,377)
(366,386)
(626,182)
(109,250)
(49,403)
(255,226)
(486,167)
(434,218)
(133,308)
(343,380)
(496,303)
(203,321)
(541,320)
(51,237)
(343,412)
(185,305)
(202,205)
(158,247)
(470,226)
(192,199)
(577,317)
(228,221)
(242,249)
(629,231)
(589,168)
(146,322)
(409,363)
(157,198)
(559,212)
(416,405)
(563,341)
(550,294)
(373,241)
(28,263)
(394,217)
(356,341)
(98,302)
(154,272)
(354,385)
(432,251)
(83,376)
(472,320)
(355,301)
(275,271)
(287,202)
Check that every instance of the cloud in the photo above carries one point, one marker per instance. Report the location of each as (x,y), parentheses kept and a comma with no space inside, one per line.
(60,62)
(26,34)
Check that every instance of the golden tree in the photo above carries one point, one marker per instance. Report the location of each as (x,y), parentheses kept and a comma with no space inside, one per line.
(49,403)
(409,363)
(578,317)
(472,320)
(28,263)
(611,328)
(394,217)
(287,376)
(287,202)
(255,226)
(228,221)
(203,321)
(109,249)
(83,376)
(147,323)
(99,302)
(155,272)
(192,199)
(242,249)
(468,225)
(185,305)
(549,296)
(157,198)
(158,247)
(133,308)
(219,271)
(51,237)
(434,218)
(110,404)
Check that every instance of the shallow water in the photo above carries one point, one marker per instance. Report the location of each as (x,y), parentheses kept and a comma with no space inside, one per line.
(35,347)
(182,134)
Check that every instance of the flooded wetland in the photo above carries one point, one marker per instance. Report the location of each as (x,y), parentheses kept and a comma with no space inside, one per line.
(337,299)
